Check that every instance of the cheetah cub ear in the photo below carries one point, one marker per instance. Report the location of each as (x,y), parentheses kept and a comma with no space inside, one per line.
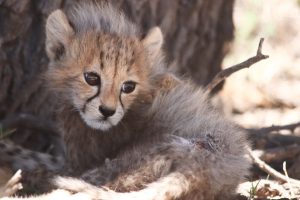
(153,42)
(58,34)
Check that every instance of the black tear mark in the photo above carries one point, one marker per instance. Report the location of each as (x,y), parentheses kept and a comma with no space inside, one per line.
(91,98)
(120,99)
(102,60)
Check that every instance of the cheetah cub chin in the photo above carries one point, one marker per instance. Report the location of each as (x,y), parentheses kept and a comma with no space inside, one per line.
(100,69)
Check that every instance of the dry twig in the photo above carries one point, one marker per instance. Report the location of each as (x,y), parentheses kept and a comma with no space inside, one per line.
(290,127)
(262,135)
(246,64)
(268,169)
(289,182)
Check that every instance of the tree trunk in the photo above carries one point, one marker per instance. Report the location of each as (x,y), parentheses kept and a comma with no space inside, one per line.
(195,31)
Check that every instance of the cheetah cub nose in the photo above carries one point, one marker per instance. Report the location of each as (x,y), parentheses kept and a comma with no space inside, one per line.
(106,112)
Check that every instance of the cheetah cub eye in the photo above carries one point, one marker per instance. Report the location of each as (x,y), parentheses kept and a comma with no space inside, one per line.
(92,78)
(128,87)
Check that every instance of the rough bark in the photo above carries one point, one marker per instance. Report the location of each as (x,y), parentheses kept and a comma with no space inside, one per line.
(196,32)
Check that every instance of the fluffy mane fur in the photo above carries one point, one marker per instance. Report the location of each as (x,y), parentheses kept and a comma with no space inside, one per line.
(101,18)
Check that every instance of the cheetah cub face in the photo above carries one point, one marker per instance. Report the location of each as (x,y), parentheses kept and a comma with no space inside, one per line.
(99,74)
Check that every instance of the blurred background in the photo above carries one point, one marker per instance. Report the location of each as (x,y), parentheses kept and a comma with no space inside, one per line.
(269,92)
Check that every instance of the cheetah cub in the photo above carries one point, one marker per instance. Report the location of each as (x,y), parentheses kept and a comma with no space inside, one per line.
(131,129)
(104,72)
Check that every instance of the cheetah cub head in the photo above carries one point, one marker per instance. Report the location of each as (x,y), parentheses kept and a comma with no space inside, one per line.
(99,72)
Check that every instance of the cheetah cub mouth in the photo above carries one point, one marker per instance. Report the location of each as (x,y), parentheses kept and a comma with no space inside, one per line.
(100,121)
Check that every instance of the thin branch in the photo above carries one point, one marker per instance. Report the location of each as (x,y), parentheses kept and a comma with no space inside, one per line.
(266,130)
(288,178)
(246,64)
(268,169)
